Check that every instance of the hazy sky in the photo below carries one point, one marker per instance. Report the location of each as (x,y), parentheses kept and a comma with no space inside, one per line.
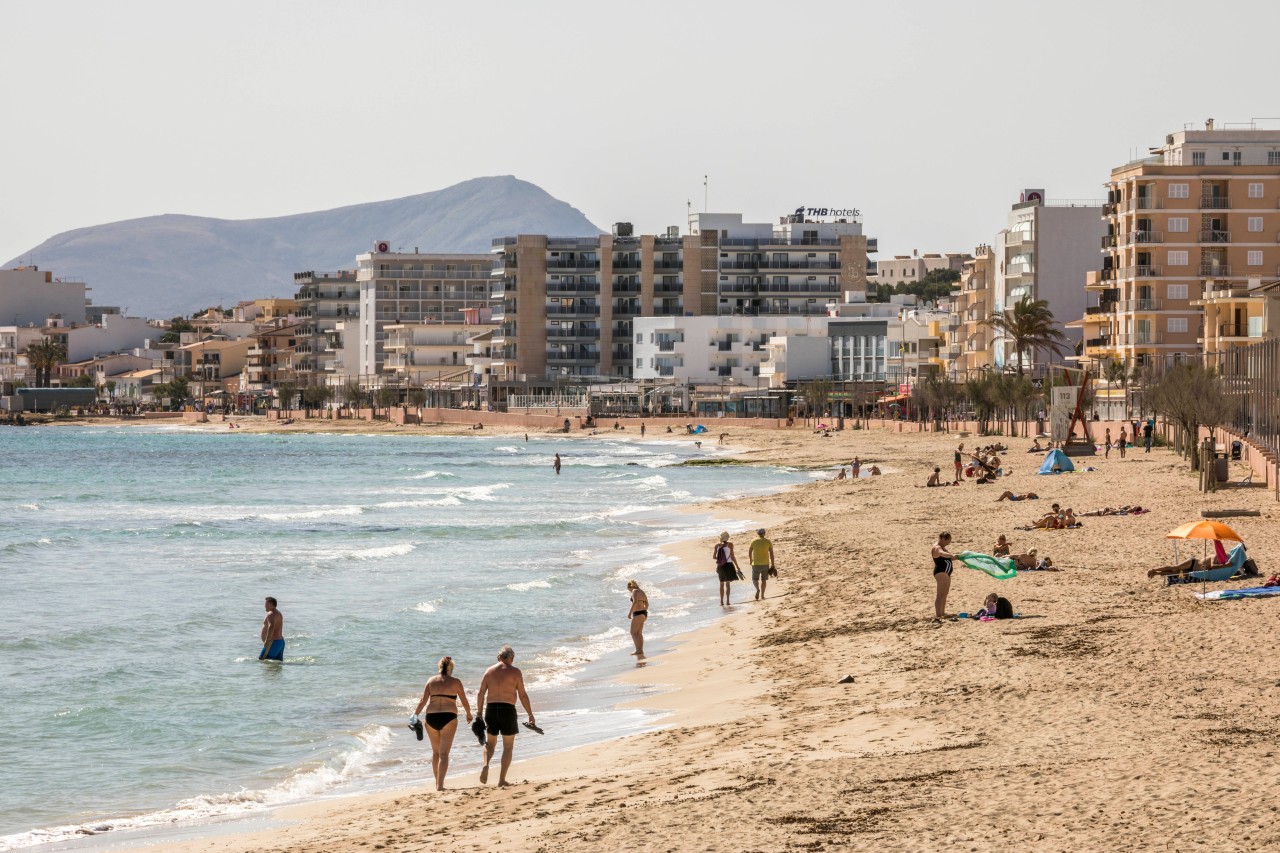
(929,116)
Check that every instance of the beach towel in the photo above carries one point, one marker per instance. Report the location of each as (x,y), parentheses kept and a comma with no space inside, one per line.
(1231,594)
(1000,568)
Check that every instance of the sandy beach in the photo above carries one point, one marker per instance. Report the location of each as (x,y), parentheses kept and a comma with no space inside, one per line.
(1116,714)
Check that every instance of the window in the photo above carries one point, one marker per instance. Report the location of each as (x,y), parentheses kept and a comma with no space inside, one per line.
(1177,259)
(1177,291)
(1226,155)
(1178,224)
(1255,190)
(1235,158)
(1197,158)
(1255,259)
(1273,158)
(1255,224)
(1177,324)
(639,339)
(1179,190)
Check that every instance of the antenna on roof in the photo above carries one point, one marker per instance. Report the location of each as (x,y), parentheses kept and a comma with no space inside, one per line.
(705,193)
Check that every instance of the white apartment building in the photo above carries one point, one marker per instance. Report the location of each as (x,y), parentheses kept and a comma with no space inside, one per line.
(114,334)
(404,287)
(29,296)
(14,341)
(713,349)
(425,353)
(1044,253)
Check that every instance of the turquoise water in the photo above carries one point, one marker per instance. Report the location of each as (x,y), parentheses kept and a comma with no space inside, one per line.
(135,561)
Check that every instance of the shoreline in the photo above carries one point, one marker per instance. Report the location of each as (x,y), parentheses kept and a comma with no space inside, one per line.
(1117,714)
(618,693)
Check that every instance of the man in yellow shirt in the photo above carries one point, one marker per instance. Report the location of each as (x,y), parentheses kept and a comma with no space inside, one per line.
(761,552)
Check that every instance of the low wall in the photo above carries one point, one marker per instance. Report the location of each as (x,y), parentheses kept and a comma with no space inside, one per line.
(164,416)
(194,417)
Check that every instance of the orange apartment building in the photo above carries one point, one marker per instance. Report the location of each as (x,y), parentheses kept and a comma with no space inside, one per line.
(1193,237)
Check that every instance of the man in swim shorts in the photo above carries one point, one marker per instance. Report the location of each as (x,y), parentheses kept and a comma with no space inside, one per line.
(272,633)
(496,705)
(761,553)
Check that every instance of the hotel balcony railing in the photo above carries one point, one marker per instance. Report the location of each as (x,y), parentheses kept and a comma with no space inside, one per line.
(626,263)
(572,264)
(1138,272)
(824,289)
(668,265)
(571,287)
(1215,236)
(800,264)
(1109,241)
(780,241)
(1235,330)
(740,265)
(1139,339)
(723,346)
(1015,270)
(626,306)
(1147,202)
(1129,306)
(666,346)
(1215,203)
(585,353)
(1100,309)
(568,310)
(578,333)
(1016,238)
(1144,237)
(1215,270)
(1109,208)
(661,287)
(1103,341)
(620,287)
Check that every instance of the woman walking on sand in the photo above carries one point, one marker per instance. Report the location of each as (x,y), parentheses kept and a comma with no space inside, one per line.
(941,574)
(440,697)
(726,565)
(638,613)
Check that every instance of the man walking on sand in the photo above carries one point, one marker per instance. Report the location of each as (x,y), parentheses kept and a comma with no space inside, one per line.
(761,553)
(272,633)
(496,705)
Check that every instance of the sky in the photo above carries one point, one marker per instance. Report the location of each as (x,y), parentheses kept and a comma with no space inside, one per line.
(929,117)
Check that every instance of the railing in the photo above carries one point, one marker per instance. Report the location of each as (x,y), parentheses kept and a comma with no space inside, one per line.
(562,310)
(824,289)
(666,346)
(1148,203)
(1015,270)
(1215,270)
(1138,272)
(572,264)
(626,287)
(1144,237)
(1109,208)
(1215,236)
(448,275)
(804,264)
(1214,203)
(1138,305)
(579,334)
(723,346)
(1099,309)
(1251,374)
(740,265)
(1109,241)
(1236,330)
(1139,339)
(565,287)
(661,287)
(626,263)
(780,241)
(668,265)
(1103,341)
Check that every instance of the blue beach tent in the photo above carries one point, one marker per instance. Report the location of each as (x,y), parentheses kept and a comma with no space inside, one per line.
(1056,459)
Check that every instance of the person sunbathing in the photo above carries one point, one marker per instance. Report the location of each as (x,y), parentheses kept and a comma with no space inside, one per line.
(1036,448)
(1007,495)
(1190,564)
(1051,521)
(841,475)
(1001,548)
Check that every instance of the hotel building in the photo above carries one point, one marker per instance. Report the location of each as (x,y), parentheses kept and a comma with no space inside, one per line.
(402,287)
(969,347)
(566,307)
(325,300)
(1192,234)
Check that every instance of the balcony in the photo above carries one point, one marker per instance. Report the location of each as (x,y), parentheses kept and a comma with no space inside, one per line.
(668,265)
(1235,330)
(573,310)
(572,287)
(1016,238)
(584,353)
(1109,208)
(1109,241)
(1215,203)
(1101,342)
(1017,270)
(626,263)
(1215,236)
(1099,309)
(1139,306)
(572,262)
(798,264)
(1215,271)
(1144,271)
(660,287)
(1147,202)
(1139,339)
(723,346)
(666,346)
(580,333)
(1144,237)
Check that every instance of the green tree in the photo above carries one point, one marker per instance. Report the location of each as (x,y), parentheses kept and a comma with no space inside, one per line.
(177,326)
(84,380)
(1190,396)
(1029,324)
(354,395)
(317,396)
(386,397)
(176,389)
(1115,371)
(286,391)
(817,395)
(44,356)
(417,397)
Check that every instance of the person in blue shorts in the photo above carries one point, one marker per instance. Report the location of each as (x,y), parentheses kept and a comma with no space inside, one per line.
(272,633)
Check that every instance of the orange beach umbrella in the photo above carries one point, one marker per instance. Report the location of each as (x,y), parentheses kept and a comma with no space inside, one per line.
(1204,529)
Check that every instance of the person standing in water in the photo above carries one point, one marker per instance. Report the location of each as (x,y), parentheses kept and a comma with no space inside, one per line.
(440,697)
(496,703)
(556,464)
(642,429)
(272,633)
(638,614)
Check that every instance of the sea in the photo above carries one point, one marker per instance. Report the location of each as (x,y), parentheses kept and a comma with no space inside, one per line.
(134,562)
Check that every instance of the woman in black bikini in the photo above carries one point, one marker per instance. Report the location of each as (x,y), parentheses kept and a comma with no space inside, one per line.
(941,574)
(638,613)
(440,697)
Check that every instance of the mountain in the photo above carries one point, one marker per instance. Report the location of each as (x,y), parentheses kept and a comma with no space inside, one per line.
(163,266)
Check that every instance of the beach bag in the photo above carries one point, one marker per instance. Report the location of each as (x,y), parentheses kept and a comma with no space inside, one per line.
(1004,609)
(722,554)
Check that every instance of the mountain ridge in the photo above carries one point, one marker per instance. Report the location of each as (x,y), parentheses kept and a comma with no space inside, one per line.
(176,263)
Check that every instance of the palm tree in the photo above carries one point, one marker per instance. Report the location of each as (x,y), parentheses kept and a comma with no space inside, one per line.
(1029,324)
(43,356)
